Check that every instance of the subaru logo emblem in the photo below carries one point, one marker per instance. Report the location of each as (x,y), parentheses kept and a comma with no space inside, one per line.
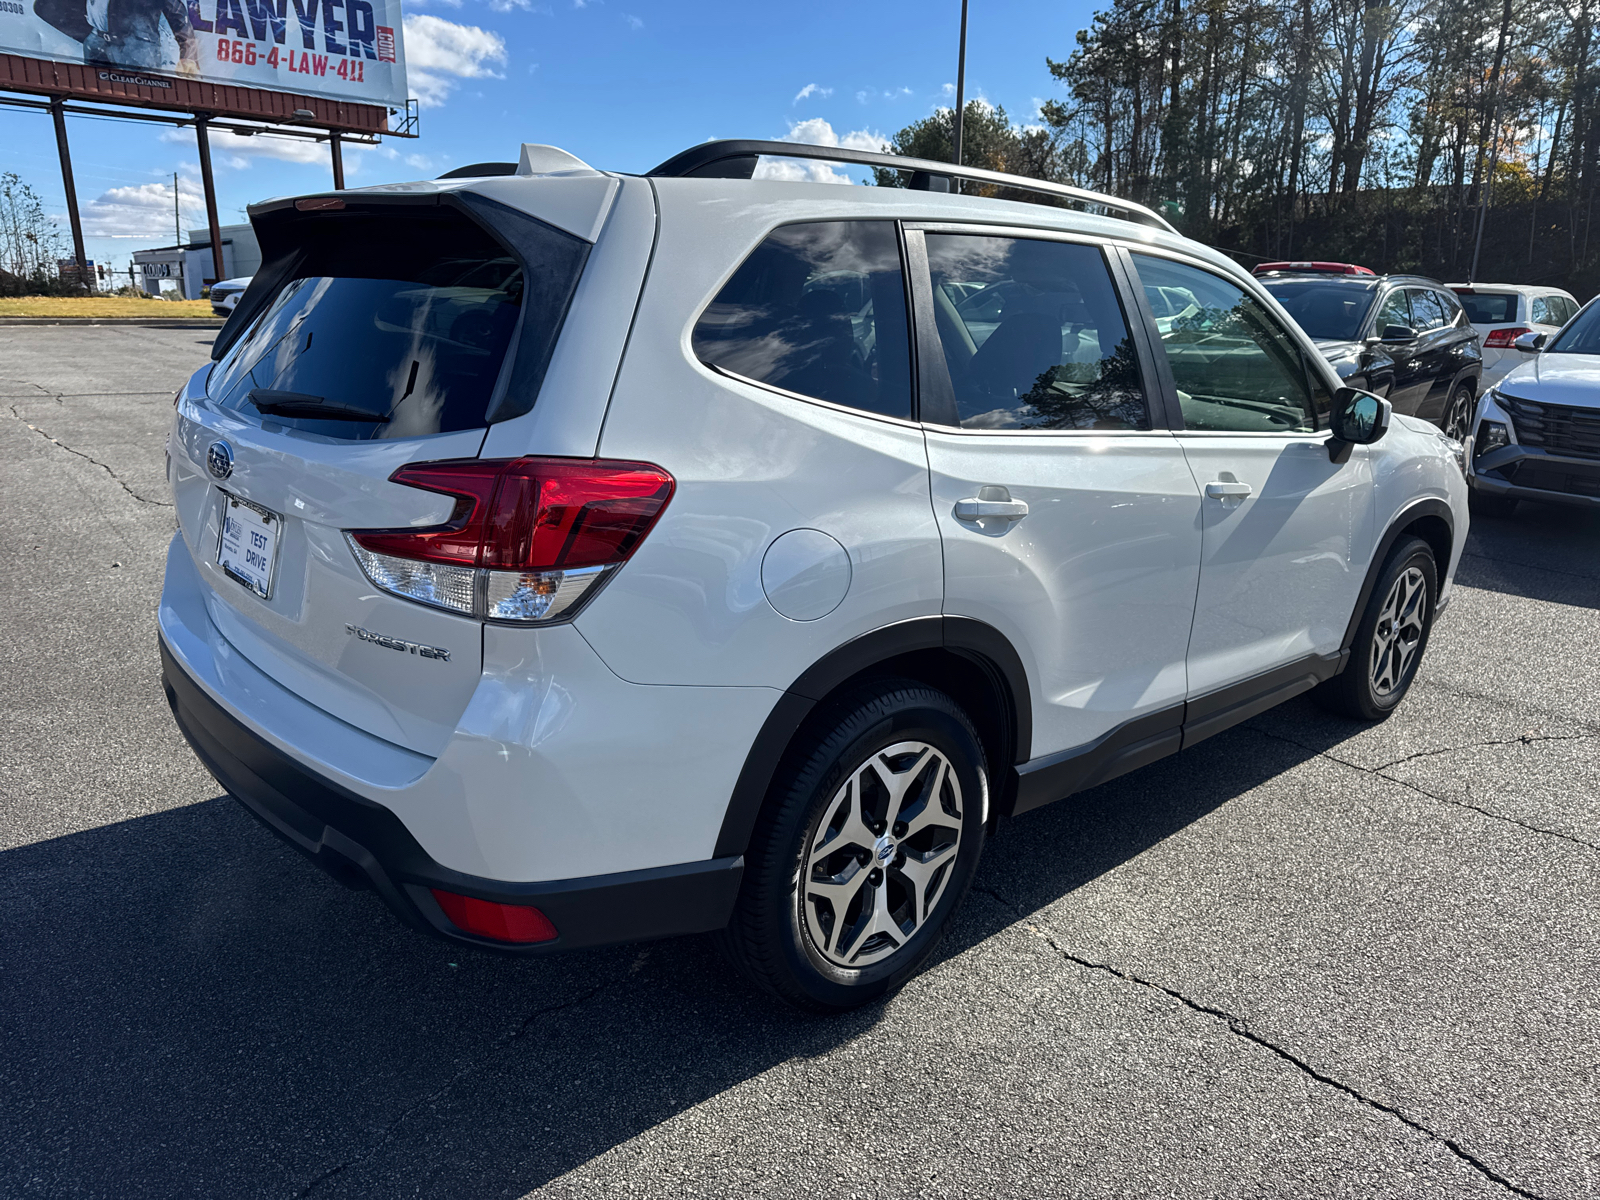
(885,849)
(219,460)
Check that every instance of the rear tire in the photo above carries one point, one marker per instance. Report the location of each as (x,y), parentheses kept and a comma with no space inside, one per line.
(1391,638)
(863,850)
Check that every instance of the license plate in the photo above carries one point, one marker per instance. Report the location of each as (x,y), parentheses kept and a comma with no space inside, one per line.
(248,548)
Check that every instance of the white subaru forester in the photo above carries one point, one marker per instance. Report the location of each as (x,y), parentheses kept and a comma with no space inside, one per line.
(576,557)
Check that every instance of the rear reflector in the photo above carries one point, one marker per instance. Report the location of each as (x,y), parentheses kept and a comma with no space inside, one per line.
(530,539)
(502,922)
(1505,337)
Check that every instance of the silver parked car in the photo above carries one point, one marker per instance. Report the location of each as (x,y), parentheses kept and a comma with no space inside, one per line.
(1537,434)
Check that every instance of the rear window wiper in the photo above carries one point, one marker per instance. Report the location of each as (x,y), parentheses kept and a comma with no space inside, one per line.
(297,404)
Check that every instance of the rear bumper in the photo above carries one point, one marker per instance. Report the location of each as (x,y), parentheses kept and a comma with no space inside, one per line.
(363,844)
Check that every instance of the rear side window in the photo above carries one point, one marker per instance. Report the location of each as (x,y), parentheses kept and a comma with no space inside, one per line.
(819,309)
(1426,311)
(398,325)
(1033,334)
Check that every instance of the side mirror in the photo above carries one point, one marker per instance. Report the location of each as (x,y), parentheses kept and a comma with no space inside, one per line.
(1358,419)
(1530,342)
(1399,333)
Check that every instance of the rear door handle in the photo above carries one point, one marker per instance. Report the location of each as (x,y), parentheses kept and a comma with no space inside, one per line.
(991,501)
(1219,490)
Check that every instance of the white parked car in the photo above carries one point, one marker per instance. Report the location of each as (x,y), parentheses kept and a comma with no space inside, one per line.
(1537,432)
(1503,312)
(576,557)
(225,294)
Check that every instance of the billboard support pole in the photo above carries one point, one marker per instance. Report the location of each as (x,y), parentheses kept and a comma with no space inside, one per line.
(60,117)
(338,160)
(214,227)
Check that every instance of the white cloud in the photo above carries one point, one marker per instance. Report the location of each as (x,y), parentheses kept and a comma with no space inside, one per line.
(948,89)
(812,89)
(863,96)
(426,3)
(634,22)
(143,211)
(437,49)
(794,170)
(817,132)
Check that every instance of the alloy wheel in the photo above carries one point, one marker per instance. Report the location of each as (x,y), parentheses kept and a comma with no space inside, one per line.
(1399,631)
(1460,414)
(880,855)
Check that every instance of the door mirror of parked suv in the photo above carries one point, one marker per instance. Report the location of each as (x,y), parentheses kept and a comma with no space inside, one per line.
(1399,333)
(1358,419)
(1531,342)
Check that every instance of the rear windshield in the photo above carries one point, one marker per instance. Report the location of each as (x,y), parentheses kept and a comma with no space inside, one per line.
(1329,312)
(396,325)
(1485,308)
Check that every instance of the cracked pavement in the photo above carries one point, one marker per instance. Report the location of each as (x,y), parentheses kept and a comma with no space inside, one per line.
(1306,957)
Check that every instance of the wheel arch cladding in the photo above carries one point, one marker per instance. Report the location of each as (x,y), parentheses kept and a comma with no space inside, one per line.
(970,661)
(1430,520)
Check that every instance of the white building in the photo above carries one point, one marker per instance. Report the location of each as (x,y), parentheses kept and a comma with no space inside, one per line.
(187,268)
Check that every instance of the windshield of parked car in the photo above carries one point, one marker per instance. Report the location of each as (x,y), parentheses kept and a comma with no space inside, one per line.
(1486,308)
(1329,312)
(1581,336)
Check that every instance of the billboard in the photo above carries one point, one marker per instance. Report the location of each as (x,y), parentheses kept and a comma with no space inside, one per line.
(351,52)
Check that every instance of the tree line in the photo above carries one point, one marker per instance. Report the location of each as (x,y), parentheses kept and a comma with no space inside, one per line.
(1383,132)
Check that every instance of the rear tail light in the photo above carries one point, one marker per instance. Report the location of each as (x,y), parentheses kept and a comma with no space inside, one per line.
(502,922)
(1505,337)
(530,538)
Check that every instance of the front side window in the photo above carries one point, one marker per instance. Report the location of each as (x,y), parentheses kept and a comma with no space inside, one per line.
(1540,313)
(1236,369)
(1033,335)
(819,309)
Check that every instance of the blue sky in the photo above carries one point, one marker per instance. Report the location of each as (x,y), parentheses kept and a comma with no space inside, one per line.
(621,83)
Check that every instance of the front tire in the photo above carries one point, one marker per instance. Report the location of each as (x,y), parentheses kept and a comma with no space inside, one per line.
(864,851)
(1391,638)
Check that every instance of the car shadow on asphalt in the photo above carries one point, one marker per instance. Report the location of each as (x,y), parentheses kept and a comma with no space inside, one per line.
(1541,552)
(190,1008)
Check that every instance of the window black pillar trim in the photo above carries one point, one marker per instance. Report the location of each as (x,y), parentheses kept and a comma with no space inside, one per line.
(936,392)
(903,239)
(1165,410)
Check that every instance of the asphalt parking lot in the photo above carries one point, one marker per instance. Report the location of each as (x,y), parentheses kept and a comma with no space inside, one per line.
(1306,958)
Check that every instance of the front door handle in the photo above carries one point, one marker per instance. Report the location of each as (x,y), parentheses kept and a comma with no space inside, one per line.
(1220,490)
(991,502)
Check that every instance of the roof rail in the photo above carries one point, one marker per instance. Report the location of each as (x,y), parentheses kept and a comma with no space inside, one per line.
(736,159)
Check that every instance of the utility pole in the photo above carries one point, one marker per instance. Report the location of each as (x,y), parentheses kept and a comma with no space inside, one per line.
(961,82)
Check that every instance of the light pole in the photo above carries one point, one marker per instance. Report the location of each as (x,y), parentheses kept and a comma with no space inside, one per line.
(961,80)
